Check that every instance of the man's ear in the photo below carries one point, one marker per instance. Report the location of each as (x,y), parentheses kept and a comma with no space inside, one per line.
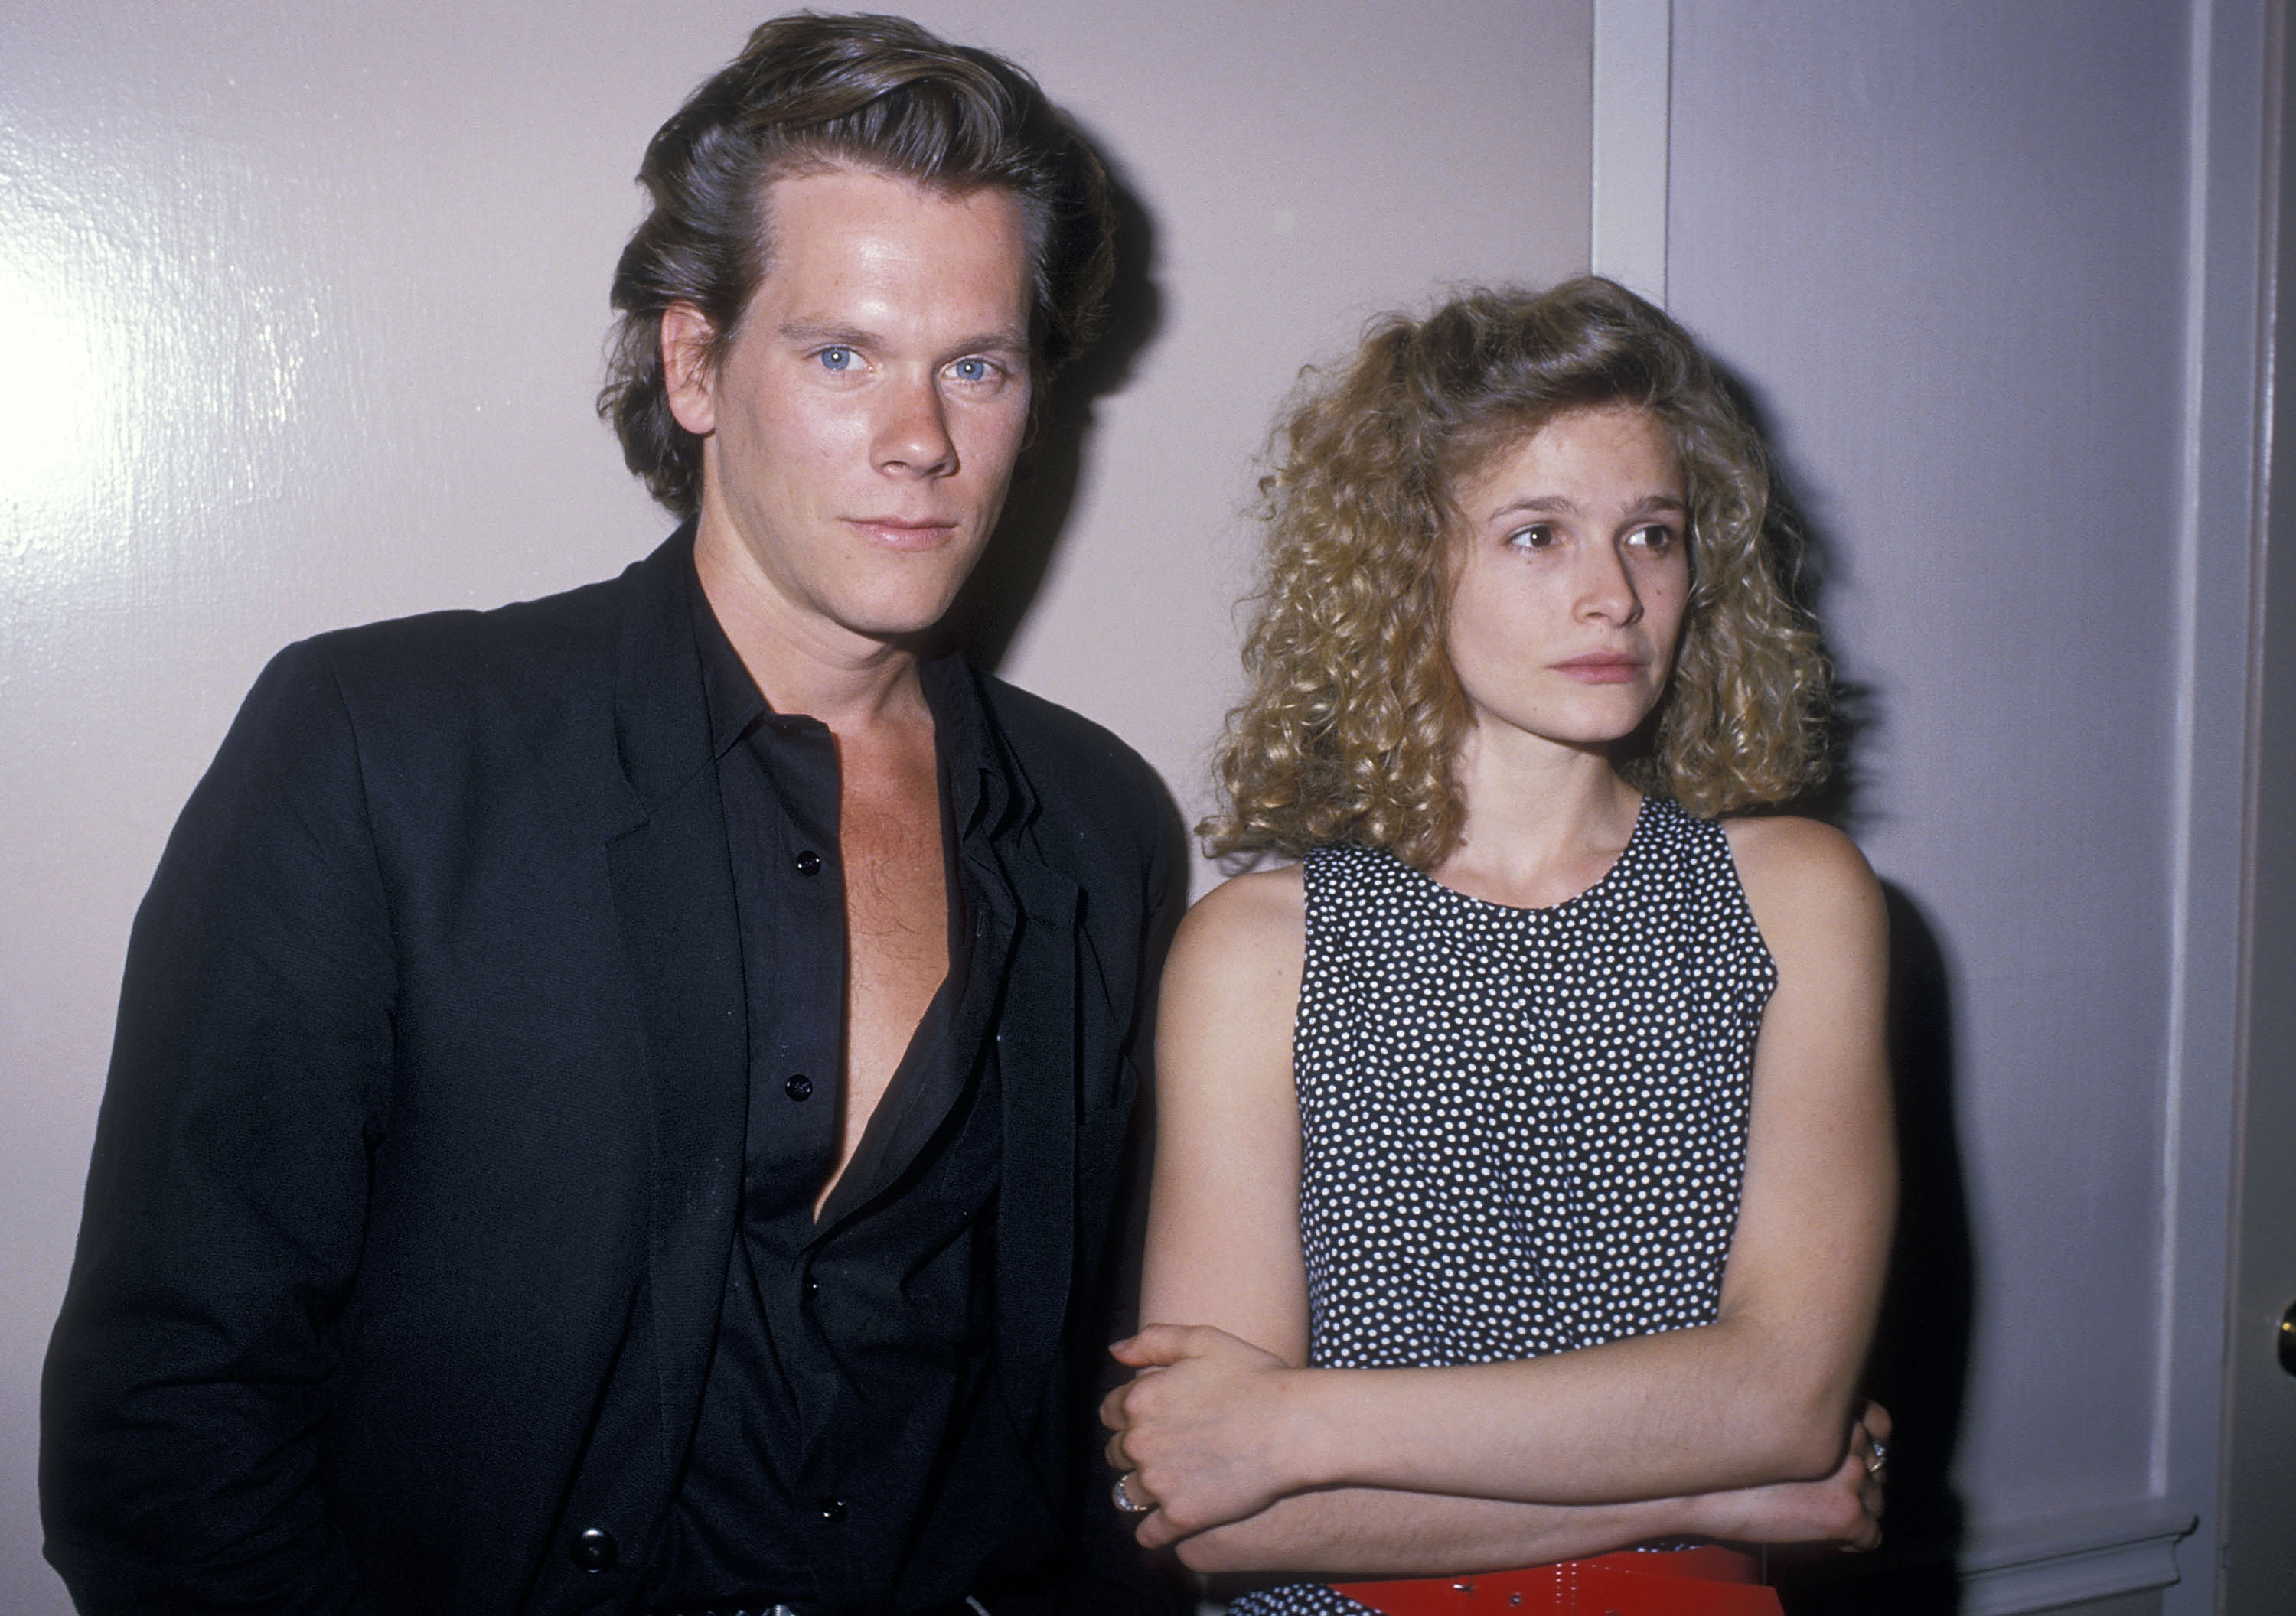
(687,335)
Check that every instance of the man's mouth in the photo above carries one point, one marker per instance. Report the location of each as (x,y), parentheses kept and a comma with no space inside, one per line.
(905,532)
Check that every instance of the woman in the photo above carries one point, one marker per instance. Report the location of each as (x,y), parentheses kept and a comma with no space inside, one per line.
(1541,1107)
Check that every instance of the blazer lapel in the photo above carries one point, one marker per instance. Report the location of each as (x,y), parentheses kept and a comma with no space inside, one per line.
(1029,936)
(673,886)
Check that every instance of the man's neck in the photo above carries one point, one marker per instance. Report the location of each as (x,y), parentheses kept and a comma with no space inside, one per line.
(802,662)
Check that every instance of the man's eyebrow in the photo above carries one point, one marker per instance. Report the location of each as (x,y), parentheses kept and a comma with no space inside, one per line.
(832,336)
(800,333)
(1010,339)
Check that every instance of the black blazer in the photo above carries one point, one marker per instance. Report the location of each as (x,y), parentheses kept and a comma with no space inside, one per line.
(416,1177)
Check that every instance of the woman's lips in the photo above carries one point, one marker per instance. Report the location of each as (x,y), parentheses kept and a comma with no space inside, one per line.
(1599,669)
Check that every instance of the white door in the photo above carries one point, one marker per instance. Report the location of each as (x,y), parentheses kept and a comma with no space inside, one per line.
(2259,1517)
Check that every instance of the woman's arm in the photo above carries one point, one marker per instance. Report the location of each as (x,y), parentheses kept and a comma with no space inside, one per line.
(1222,1250)
(1364,1532)
(1762,1395)
(1222,1245)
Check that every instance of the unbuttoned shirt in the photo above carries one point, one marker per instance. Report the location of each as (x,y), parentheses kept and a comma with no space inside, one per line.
(851,1372)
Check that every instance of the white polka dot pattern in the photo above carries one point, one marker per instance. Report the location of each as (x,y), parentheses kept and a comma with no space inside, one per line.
(1523,1130)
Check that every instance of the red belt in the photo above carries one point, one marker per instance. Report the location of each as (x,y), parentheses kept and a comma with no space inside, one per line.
(1704,1581)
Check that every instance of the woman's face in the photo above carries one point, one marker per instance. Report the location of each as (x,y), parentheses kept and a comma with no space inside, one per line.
(1572,571)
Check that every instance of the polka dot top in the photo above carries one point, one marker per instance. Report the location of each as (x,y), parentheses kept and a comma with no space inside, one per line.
(1523,1130)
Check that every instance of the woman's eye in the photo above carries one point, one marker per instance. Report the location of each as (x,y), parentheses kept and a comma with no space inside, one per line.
(1657,536)
(836,359)
(1538,535)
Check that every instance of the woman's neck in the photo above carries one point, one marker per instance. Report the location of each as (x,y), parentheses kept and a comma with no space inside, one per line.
(1544,822)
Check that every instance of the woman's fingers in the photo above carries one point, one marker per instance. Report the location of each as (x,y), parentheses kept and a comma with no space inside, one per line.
(1159,1344)
(1131,1497)
(1189,1432)
(1871,1437)
(1869,1451)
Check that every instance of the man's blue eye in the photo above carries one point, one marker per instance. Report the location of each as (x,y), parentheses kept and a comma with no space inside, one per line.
(837,359)
(971,370)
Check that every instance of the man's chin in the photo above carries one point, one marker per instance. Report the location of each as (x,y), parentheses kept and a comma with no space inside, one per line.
(908,624)
(906,603)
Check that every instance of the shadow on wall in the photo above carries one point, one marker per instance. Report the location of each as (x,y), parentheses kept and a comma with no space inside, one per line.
(999,595)
(996,599)
(1920,1367)
(1921,1358)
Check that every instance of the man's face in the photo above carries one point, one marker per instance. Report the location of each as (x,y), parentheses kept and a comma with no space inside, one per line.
(861,429)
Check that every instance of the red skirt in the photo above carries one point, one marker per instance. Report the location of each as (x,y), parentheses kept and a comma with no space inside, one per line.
(1704,1581)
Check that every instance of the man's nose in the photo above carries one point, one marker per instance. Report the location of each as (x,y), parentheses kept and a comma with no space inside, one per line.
(913,435)
(1606,586)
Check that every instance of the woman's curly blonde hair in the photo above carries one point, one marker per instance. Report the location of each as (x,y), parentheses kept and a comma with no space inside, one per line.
(1355,717)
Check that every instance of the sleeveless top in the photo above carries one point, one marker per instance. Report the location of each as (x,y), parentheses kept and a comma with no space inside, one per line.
(1523,1130)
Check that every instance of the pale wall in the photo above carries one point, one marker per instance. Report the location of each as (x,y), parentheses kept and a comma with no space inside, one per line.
(1950,245)
(300,307)
(1973,359)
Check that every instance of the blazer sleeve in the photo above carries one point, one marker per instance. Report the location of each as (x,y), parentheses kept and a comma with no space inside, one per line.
(1113,1576)
(192,1368)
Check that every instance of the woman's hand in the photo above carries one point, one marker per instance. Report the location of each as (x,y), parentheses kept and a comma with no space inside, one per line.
(1198,1431)
(1844,1508)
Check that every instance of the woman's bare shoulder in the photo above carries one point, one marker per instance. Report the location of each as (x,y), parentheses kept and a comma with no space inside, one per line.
(1244,944)
(1250,913)
(1803,878)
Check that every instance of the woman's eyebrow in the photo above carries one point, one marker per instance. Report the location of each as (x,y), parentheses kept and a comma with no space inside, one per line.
(1555,504)
(1538,504)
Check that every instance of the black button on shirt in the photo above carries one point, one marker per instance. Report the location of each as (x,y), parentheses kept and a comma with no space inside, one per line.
(852,1355)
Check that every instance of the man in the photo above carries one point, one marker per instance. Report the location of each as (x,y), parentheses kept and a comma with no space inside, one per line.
(618,1100)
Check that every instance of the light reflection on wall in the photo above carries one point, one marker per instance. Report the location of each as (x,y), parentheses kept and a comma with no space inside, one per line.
(63,412)
(152,381)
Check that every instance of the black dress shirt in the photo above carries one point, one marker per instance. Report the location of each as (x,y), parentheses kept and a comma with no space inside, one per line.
(852,1349)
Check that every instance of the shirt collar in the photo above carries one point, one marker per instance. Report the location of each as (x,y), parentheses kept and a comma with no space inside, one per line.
(734,702)
(981,788)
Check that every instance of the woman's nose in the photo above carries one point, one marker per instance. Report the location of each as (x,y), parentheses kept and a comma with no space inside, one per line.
(1606,586)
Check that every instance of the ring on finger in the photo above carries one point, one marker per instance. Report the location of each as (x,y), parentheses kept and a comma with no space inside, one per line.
(1124,1497)
(1877,1456)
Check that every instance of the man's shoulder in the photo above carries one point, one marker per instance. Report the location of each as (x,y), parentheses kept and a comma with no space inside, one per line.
(510,698)
(529,643)
(1074,764)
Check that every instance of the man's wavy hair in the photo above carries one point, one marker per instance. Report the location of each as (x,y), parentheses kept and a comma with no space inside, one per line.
(1354,717)
(809,93)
